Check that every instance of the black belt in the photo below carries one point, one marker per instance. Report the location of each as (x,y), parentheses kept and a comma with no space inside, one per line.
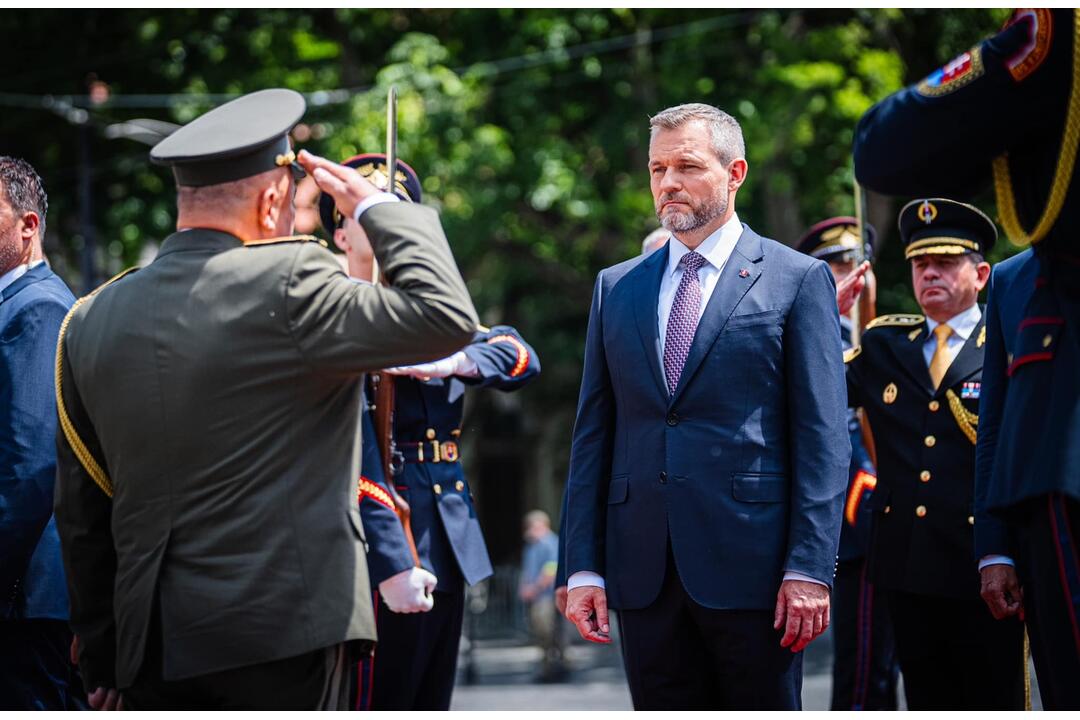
(429,451)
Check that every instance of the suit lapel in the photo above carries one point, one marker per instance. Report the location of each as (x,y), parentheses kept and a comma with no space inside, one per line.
(646,295)
(738,276)
(968,361)
(907,346)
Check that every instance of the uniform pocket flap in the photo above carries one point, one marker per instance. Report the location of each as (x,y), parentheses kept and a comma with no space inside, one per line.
(618,489)
(759,487)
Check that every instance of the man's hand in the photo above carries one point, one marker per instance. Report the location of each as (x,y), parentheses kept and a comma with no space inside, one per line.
(457,364)
(348,187)
(849,289)
(560,599)
(106,699)
(802,609)
(409,591)
(1002,592)
(586,607)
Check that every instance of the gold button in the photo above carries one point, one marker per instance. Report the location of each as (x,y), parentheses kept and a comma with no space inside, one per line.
(921,511)
(431,433)
(437,488)
(925,476)
(456,432)
(1047,340)
(930,441)
(459,486)
(888,509)
(934,405)
(971,519)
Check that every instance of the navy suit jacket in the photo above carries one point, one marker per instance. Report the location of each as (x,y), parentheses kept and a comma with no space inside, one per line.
(31,572)
(743,469)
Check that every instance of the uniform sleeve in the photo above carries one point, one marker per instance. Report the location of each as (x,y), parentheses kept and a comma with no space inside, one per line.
(28,419)
(84,522)
(853,369)
(388,550)
(503,358)
(990,534)
(934,138)
(345,327)
(820,448)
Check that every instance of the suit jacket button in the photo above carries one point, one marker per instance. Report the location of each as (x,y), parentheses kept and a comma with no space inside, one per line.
(663,477)
(672,419)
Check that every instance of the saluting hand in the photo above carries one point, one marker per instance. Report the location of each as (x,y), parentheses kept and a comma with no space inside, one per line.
(802,609)
(348,187)
(850,287)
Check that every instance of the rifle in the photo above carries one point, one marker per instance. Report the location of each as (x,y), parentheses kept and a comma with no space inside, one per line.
(384,382)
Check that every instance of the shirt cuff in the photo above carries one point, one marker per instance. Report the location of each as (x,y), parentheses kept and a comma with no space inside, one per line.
(792,575)
(988,560)
(584,578)
(372,200)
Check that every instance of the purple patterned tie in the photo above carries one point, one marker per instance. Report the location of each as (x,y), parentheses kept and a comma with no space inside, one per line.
(683,319)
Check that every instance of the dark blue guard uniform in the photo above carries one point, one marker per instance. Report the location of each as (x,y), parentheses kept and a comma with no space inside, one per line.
(952,653)
(1000,113)
(416,658)
(864,656)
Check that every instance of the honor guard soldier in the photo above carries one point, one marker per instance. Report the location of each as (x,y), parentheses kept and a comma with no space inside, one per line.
(1008,111)
(208,445)
(414,665)
(864,657)
(918,379)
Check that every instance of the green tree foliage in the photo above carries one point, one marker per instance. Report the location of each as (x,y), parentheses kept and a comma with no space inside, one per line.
(528,127)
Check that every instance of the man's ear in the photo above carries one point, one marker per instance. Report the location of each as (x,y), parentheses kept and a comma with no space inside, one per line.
(269,208)
(737,174)
(29,226)
(341,239)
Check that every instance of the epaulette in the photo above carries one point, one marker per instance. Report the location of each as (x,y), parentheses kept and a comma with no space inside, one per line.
(286,239)
(897,320)
(78,447)
(852,353)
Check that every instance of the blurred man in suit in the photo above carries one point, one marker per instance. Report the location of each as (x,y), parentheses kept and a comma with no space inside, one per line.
(35,671)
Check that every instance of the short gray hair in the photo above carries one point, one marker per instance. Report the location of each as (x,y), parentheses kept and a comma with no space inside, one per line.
(659,233)
(727,137)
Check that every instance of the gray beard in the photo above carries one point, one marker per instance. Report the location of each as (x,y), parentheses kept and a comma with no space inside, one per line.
(696,218)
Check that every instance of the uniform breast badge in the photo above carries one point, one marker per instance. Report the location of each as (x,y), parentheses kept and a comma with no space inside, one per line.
(970,391)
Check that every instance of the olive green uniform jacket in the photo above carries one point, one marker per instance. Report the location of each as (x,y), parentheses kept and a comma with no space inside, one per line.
(218,389)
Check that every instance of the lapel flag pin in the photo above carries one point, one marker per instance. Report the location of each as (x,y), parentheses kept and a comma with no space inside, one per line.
(744,273)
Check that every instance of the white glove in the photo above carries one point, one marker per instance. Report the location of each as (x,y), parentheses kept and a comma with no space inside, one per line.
(457,364)
(409,591)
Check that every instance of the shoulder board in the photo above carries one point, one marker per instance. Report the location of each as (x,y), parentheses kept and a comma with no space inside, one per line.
(852,353)
(898,320)
(286,239)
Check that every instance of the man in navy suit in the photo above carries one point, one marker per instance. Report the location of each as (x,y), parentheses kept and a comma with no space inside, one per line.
(35,672)
(710,451)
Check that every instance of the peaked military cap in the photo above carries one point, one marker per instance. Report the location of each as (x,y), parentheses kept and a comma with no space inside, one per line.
(243,137)
(373,167)
(838,236)
(937,226)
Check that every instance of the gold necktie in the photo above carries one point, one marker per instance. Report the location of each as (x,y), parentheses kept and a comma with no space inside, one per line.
(941,360)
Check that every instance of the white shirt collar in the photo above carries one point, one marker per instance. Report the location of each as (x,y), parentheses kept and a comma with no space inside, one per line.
(716,249)
(963,324)
(15,273)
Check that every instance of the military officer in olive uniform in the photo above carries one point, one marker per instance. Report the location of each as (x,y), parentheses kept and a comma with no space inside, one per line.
(864,657)
(209,452)
(414,665)
(1005,113)
(918,379)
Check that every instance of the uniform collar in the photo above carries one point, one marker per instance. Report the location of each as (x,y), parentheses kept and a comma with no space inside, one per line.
(963,324)
(198,239)
(716,249)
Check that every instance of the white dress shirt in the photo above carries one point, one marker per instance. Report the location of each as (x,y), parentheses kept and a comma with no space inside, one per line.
(15,273)
(371,201)
(716,249)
